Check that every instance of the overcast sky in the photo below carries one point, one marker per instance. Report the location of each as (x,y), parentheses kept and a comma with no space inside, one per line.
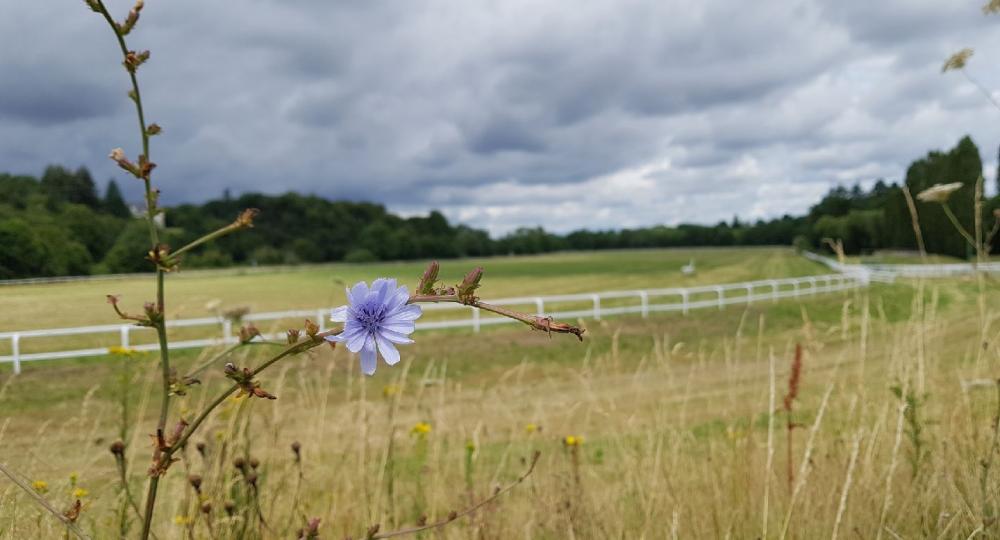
(566,114)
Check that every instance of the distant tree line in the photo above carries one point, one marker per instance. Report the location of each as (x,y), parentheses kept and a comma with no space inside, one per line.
(58,224)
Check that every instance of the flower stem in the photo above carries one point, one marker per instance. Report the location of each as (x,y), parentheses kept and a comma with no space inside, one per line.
(154,235)
(545,324)
(958,226)
(70,526)
(293,349)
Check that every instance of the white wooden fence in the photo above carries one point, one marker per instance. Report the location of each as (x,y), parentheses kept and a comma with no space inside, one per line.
(889,272)
(643,302)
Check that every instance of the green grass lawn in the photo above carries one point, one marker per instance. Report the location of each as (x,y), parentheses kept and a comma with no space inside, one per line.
(25,307)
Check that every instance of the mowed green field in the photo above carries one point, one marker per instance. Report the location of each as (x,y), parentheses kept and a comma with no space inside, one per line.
(681,417)
(25,307)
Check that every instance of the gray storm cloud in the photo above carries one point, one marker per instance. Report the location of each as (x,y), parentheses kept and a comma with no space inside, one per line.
(521,113)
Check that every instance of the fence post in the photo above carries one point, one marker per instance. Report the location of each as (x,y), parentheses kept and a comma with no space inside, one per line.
(749,288)
(321,319)
(722,296)
(227,330)
(15,346)
(774,291)
(795,287)
(644,304)
(475,320)
(812,285)
(684,301)
(540,307)
(597,306)
(124,336)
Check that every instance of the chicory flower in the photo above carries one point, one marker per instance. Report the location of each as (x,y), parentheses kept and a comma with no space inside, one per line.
(375,320)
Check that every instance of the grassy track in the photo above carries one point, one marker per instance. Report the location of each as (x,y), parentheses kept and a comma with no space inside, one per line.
(673,412)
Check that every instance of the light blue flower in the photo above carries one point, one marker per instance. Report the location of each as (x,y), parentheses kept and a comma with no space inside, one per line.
(376,319)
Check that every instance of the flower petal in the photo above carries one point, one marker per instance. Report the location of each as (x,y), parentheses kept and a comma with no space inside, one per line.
(407,313)
(387,349)
(355,341)
(397,299)
(399,327)
(368,357)
(358,293)
(396,337)
(380,290)
(339,314)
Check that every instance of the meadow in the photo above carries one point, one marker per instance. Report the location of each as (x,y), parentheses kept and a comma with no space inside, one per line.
(667,427)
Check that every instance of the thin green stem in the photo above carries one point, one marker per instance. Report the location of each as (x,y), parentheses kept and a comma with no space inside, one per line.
(231,228)
(958,226)
(154,236)
(294,349)
(200,369)
(981,88)
(70,526)
(536,322)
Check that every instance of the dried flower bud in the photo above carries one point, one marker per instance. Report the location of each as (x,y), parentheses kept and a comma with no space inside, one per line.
(957,60)
(452,516)
(245,219)
(230,506)
(201,447)
(154,128)
(254,463)
(430,277)
(118,156)
(73,513)
(248,332)
(297,450)
(206,508)
(422,520)
(145,166)
(373,530)
(311,530)
(467,289)
(117,448)
(311,328)
(135,59)
(252,479)
(175,435)
(293,335)
(240,463)
(93,5)
(195,482)
(133,17)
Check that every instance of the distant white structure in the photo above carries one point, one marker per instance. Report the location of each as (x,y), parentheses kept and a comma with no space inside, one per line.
(140,212)
(688,269)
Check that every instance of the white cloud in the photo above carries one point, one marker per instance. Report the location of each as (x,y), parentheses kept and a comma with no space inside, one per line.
(599,114)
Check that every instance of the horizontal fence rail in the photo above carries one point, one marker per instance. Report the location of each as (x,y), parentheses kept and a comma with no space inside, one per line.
(889,272)
(586,305)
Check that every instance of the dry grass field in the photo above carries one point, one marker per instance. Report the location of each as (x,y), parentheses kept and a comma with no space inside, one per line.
(666,427)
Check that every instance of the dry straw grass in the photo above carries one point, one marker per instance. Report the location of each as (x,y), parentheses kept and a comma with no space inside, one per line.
(678,439)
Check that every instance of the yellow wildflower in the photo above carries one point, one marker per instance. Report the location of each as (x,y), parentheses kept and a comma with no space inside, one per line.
(531,428)
(421,428)
(121,351)
(182,520)
(41,486)
(80,493)
(573,440)
(390,390)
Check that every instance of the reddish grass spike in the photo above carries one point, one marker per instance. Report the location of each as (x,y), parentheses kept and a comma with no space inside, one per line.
(794,378)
